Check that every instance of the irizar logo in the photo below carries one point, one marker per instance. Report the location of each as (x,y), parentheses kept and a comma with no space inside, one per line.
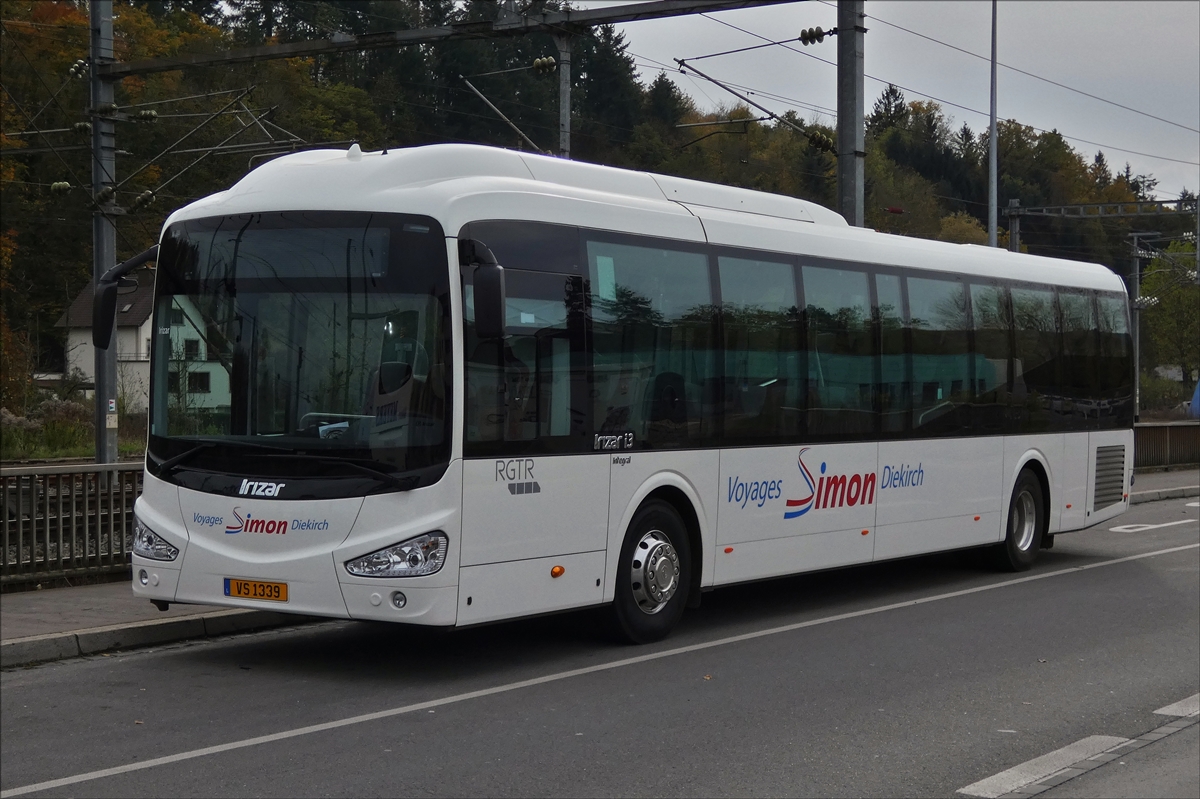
(250,488)
(831,490)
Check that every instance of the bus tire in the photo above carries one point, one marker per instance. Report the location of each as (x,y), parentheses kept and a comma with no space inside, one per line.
(653,575)
(1026,525)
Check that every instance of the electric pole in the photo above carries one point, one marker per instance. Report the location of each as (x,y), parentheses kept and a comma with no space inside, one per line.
(850,133)
(992,144)
(563,42)
(104,234)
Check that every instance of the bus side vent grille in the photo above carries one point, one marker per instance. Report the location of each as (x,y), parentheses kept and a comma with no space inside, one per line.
(1110,476)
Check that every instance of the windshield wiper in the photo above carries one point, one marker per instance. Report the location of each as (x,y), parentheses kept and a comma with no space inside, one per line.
(403,483)
(171,463)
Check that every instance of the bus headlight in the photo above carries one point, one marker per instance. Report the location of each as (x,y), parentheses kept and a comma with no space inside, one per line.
(150,544)
(415,557)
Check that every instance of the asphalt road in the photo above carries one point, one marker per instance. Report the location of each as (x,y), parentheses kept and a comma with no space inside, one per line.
(915,678)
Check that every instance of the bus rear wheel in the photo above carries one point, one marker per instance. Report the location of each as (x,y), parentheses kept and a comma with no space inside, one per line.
(653,575)
(1026,525)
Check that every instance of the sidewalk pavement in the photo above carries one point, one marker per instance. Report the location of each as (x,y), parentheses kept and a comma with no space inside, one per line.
(1151,486)
(37,626)
(57,623)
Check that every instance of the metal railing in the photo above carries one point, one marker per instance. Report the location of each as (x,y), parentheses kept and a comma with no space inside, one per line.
(66,521)
(1166,444)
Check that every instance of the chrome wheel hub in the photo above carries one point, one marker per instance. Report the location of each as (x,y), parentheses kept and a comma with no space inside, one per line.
(1023,520)
(654,572)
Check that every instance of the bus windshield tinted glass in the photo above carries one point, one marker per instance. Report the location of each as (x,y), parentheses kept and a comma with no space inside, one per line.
(317,334)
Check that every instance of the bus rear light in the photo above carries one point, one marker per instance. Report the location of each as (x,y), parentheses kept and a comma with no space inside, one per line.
(149,544)
(415,557)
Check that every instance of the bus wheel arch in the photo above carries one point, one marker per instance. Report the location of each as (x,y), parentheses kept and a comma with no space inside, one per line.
(1034,464)
(1026,521)
(653,574)
(675,497)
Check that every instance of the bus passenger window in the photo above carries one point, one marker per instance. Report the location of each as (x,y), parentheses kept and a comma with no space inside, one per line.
(992,316)
(653,343)
(1035,392)
(841,353)
(1114,363)
(941,358)
(895,387)
(1080,390)
(763,400)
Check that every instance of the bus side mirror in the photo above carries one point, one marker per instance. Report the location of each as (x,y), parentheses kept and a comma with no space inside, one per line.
(489,288)
(104,313)
(104,302)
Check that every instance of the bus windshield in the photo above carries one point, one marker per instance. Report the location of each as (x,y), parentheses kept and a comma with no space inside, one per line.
(302,345)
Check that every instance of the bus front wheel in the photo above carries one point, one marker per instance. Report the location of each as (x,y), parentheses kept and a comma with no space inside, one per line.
(1026,525)
(653,574)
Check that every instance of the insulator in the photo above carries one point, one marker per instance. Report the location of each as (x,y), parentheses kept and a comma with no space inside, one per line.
(146,115)
(811,36)
(144,199)
(82,127)
(544,66)
(105,194)
(60,187)
(78,69)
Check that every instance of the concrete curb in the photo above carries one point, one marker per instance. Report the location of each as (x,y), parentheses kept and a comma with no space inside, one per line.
(57,646)
(1137,497)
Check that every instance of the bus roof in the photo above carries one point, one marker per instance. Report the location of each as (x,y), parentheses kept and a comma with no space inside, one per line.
(434,179)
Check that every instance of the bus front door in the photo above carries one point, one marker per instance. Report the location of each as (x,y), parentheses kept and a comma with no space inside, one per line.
(535,496)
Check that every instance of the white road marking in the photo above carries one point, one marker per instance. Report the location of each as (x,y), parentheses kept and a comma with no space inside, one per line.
(1193,504)
(1184,707)
(557,677)
(1137,528)
(1041,767)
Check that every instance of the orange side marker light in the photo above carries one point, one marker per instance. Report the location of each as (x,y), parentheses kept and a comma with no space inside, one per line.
(728,550)
(557,571)
(1068,504)
(866,532)
(976,518)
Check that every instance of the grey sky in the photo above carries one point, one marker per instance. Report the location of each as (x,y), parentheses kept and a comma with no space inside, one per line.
(1145,55)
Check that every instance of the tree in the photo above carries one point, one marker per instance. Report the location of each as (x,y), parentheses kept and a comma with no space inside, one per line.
(665,104)
(962,228)
(1173,323)
(889,110)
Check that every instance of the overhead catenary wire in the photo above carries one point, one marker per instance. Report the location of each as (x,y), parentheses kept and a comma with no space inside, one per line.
(819,109)
(1030,74)
(957,105)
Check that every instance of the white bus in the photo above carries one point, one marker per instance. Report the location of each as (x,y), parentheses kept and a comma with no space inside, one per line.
(457,384)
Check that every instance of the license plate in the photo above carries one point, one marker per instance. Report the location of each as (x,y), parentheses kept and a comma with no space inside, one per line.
(256,589)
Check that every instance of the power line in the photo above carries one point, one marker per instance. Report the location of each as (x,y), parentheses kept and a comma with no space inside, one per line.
(819,109)
(958,105)
(1031,74)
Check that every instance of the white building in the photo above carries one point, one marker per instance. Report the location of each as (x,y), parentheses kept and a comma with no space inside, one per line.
(207,382)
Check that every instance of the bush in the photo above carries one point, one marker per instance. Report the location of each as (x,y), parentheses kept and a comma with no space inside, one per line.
(1161,396)
(19,436)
